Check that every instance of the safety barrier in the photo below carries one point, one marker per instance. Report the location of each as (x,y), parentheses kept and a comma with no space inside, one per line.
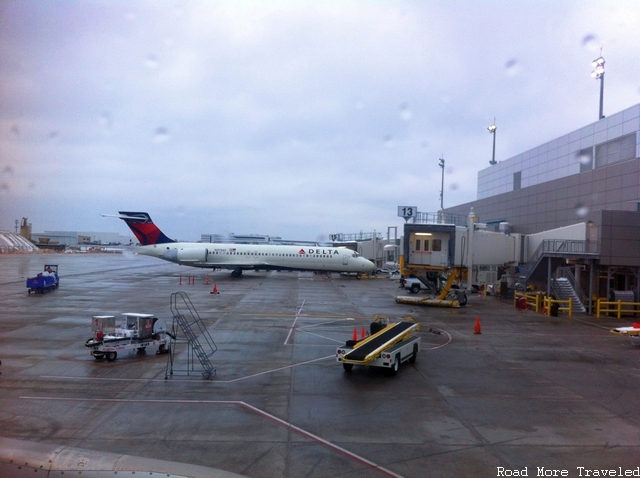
(540,303)
(530,300)
(619,307)
(550,302)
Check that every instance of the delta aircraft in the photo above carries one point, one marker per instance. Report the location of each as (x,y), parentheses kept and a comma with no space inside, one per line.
(241,257)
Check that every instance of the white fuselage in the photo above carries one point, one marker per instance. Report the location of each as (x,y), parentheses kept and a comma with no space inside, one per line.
(260,257)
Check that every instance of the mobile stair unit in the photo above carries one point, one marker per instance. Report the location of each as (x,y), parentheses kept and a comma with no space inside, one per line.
(200,344)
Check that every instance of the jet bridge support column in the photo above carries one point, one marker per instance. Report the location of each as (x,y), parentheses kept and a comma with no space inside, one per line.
(469,263)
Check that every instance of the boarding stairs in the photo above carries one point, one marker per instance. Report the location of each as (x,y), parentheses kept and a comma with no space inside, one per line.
(200,344)
(563,290)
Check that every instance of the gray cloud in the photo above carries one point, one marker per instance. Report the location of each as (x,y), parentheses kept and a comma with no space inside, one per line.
(287,118)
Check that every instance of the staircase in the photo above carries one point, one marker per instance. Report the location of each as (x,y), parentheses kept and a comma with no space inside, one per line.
(200,345)
(563,290)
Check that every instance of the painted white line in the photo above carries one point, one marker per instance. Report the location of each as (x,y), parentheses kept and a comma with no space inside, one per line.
(292,427)
(276,369)
(62,377)
(301,307)
(291,330)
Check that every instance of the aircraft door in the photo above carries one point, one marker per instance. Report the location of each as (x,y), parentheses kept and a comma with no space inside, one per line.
(345,260)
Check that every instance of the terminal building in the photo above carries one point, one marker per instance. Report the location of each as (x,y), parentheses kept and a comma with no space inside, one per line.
(573,204)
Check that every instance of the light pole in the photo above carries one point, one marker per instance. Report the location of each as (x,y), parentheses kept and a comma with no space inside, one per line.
(492,129)
(598,74)
(441,163)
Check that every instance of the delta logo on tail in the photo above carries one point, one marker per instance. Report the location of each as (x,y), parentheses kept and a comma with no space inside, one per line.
(143,228)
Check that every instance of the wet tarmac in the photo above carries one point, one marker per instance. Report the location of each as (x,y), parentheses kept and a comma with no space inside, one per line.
(529,391)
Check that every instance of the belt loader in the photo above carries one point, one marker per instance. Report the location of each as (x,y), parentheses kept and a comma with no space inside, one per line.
(388,346)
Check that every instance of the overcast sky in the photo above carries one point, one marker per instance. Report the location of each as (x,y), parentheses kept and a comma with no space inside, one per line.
(290,118)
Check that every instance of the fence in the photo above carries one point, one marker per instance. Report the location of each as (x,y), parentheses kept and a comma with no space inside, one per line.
(541,303)
(619,307)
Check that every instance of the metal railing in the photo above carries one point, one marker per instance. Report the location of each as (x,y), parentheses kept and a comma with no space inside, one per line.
(618,307)
(567,273)
(560,247)
(440,218)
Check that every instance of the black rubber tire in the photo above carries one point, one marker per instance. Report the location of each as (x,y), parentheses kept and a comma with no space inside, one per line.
(348,367)
(396,365)
(462,299)
(415,288)
(415,354)
(111,356)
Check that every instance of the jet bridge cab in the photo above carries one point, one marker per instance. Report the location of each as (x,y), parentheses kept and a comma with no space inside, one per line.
(427,262)
(430,245)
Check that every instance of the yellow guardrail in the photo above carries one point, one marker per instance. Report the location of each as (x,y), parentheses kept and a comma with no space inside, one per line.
(618,307)
(540,303)
(532,300)
(568,307)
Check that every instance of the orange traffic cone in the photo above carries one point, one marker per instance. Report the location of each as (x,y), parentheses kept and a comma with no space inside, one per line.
(355,334)
(363,333)
(215,289)
(206,281)
(477,329)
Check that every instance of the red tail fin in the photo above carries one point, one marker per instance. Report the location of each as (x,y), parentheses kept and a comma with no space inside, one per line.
(144,229)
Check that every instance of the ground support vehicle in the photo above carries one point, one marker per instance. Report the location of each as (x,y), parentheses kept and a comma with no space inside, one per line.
(133,332)
(44,281)
(448,296)
(387,347)
(632,332)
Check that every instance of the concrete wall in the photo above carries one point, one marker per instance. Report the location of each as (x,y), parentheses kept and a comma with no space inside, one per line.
(620,238)
(562,202)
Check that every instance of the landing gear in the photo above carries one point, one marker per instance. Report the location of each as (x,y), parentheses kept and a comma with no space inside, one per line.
(236,273)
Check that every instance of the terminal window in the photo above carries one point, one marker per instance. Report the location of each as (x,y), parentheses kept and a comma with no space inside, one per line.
(517,180)
(619,149)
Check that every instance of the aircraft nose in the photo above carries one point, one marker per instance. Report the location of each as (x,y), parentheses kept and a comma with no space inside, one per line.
(369,266)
